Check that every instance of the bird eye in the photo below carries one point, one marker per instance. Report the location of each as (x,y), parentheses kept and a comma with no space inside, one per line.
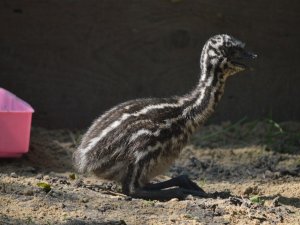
(224,50)
(231,51)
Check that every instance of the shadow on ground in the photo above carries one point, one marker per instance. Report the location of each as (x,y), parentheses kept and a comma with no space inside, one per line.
(9,221)
(291,201)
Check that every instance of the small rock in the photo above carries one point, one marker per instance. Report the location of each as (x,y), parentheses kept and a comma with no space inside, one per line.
(256,221)
(189,197)
(218,212)
(52,174)
(62,205)
(222,194)
(63,180)
(235,200)
(54,179)
(276,175)
(280,218)
(250,190)
(275,202)
(127,198)
(246,204)
(114,187)
(84,200)
(30,169)
(28,192)
(269,174)
(36,190)
(14,175)
(46,177)
(257,217)
(159,205)
(174,200)
(43,214)
(173,220)
(102,209)
(78,183)
(39,176)
(55,194)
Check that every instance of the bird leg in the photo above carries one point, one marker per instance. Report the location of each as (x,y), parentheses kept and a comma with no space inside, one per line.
(181,181)
(179,187)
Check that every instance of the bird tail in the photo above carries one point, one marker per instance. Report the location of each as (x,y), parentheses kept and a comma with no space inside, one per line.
(79,161)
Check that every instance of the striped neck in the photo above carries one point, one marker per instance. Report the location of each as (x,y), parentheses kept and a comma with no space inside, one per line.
(204,98)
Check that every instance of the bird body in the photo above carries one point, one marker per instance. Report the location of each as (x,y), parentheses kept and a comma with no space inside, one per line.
(139,139)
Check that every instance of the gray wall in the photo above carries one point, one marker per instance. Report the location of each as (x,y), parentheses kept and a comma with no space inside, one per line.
(73,59)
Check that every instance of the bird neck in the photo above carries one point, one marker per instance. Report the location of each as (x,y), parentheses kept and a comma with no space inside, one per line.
(204,98)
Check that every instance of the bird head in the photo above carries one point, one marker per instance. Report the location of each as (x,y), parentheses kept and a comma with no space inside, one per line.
(226,54)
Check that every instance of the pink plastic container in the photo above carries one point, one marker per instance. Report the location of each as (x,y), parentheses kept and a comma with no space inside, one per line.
(15,124)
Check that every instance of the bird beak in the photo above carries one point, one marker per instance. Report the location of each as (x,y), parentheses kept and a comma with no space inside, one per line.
(242,59)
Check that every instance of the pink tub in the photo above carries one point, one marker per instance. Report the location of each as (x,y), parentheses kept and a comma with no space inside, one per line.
(15,124)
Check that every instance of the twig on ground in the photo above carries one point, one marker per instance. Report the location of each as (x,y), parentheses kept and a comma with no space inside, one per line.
(113,193)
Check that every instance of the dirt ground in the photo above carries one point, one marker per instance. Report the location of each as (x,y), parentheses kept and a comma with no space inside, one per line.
(252,167)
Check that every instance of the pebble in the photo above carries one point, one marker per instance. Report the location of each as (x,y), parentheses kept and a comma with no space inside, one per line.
(55,194)
(269,174)
(189,197)
(235,200)
(63,180)
(127,198)
(14,175)
(78,183)
(246,204)
(54,179)
(30,169)
(173,220)
(250,190)
(275,202)
(174,200)
(39,176)
(28,192)
(84,200)
(52,174)
(102,209)
(159,205)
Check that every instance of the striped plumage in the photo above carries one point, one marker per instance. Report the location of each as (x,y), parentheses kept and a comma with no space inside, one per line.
(139,139)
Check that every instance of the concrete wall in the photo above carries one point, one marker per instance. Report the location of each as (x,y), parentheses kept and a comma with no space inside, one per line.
(73,59)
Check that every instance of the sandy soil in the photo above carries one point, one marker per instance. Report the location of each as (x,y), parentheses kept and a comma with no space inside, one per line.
(252,168)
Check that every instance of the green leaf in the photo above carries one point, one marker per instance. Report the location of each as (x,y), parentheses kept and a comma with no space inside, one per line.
(45,186)
(256,199)
(72,176)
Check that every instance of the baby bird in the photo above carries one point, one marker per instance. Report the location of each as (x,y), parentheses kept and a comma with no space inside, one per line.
(139,139)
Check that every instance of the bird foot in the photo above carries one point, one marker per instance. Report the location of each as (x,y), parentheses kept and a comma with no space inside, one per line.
(166,194)
(178,187)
